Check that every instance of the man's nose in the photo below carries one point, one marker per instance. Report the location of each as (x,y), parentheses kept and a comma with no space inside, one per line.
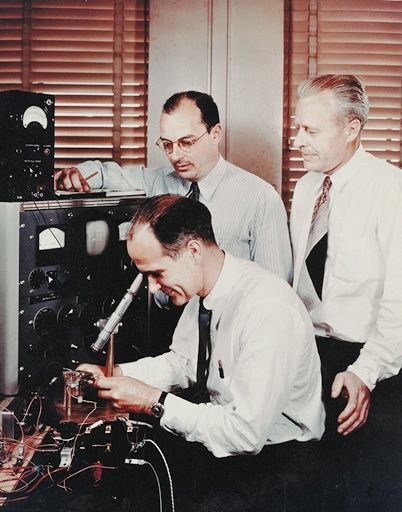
(176,153)
(153,284)
(299,139)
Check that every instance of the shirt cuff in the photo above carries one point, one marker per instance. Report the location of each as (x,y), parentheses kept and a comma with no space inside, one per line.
(369,378)
(88,169)
(179,415)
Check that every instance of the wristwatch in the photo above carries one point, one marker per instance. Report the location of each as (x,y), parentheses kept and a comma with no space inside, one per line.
(157,409)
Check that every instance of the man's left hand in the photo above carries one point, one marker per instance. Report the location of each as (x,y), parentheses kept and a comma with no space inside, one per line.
(358,394)
(128,394)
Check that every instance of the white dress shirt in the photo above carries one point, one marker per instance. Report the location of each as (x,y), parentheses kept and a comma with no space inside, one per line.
(362,289)
(269,387)
(248,215)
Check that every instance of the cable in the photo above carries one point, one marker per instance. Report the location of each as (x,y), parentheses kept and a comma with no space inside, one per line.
(92,466)
(158,482)
(35,397)
(167,471)
(79,430)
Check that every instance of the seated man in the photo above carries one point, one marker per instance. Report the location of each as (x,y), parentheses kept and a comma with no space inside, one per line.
(248,215)
(245,341)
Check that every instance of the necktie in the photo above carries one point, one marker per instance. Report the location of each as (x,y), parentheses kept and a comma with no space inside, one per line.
(317,244)
(204,351)
(319,220)
(310,286)
(194,192)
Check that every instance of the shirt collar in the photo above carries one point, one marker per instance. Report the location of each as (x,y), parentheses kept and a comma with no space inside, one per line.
(216,298)
(210,182)
(347,171)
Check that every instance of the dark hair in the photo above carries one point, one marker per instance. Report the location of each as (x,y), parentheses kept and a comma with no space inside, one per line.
(348,91)
(174,221)
(205,103)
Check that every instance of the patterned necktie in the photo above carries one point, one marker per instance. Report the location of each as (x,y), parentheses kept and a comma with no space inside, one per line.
(310,285)
(204,351)
(319,220)
(194,192)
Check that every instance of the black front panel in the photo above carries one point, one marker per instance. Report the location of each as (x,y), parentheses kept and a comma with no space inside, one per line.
(74,270)
(26,146)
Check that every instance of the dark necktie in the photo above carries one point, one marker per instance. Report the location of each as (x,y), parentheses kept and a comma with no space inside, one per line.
(204,351)
(315,262)
(317,244)
(194,192)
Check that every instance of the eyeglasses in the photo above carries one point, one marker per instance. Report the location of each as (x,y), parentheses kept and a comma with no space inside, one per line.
(185,144)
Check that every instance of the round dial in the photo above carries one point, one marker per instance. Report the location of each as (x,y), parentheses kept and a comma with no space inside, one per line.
(45,321)
(88,314)
(66,316)
(37,278)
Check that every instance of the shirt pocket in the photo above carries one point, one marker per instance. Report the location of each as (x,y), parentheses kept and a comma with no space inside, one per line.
(221,392)
(356,259)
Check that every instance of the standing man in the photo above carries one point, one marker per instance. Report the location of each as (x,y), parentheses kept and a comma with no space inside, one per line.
(248,216)
(254,361)
(348,268)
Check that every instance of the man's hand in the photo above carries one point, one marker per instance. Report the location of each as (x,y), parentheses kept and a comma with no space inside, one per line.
(70,179)
(358,394)
(98,371)
(128,394)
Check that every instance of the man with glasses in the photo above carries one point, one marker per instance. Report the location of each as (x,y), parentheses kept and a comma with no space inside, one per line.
(248,216)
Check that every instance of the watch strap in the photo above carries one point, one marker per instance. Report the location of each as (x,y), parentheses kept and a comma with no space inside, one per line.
(158,407)
(162,397)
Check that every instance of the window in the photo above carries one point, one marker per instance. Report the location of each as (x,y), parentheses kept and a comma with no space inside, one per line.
(93,56)
(362,37)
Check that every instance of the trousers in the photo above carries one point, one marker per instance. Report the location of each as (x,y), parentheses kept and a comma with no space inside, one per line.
(282,478)
(363,470)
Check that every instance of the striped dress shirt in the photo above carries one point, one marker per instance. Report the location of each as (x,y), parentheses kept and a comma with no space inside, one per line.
(248,215)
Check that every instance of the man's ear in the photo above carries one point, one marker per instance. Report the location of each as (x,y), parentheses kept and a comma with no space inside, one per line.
(354,129)
(216,133)
(194,248)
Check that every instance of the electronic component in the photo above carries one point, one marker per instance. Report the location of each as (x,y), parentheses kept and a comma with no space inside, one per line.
(26,146)
(64,265)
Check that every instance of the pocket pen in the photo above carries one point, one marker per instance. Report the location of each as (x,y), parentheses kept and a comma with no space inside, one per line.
(220,369)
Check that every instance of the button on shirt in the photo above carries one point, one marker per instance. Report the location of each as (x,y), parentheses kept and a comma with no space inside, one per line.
(362,289)
(248,215)
(264,377)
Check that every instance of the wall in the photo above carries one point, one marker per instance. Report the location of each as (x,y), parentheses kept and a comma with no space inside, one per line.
(232,49)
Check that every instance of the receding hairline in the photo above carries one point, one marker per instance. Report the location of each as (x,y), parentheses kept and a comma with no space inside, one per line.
(330,97)
(348,92)
(183,102)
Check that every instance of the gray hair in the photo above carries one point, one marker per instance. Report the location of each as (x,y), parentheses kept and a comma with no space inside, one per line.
(348,91)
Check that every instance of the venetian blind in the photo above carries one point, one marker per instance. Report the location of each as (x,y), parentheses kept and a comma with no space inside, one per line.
(92,55)
(362,37)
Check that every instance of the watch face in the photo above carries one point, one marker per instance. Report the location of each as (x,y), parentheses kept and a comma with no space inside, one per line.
(157,410)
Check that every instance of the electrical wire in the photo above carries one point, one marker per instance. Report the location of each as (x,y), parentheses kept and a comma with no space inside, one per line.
(167,471)
(92,466)
(158,482)
(39,399)
(81,426)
